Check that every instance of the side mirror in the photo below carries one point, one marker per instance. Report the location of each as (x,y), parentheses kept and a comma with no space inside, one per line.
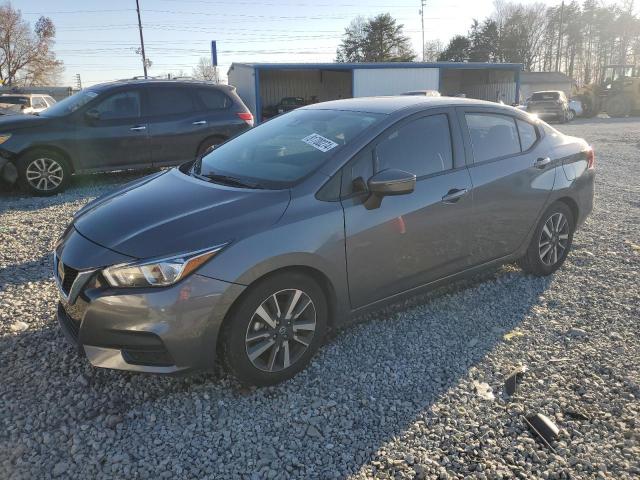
(389,182)
(92,115)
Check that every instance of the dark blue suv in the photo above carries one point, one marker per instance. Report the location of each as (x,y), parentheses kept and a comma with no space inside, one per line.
(131,124)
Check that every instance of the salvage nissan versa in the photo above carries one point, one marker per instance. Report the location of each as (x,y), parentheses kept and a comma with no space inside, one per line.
(249,254)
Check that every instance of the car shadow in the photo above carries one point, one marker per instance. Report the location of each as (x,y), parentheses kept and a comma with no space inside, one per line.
(367,385)
(26,272)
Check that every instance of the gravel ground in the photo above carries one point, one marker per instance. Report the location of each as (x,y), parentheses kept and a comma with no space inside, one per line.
(414,392)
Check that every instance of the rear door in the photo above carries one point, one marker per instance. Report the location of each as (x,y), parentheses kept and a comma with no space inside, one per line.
(410,239)
(219,117)
(115,136)
(511,180)
(176,124)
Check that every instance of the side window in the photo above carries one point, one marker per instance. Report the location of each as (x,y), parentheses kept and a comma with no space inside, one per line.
(169,101)
(50,101)
(528,134)
(356,173)
(421,147)
(38,102)
(120,106)
(212,99)
(492,135)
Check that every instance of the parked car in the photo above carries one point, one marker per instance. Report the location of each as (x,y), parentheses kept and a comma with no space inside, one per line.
(24,103)
(290,103)
(575,108)
(121,125)
(550,104)
(423,93)
(251,253)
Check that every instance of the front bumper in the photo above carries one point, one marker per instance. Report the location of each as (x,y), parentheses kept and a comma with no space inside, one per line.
(155,330)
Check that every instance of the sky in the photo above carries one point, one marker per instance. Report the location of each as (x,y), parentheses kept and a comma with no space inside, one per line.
(98,39)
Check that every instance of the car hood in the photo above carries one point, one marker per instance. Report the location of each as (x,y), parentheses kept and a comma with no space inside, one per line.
(14,122)
(174,213)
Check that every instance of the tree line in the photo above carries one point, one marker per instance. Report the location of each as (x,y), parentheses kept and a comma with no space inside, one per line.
(576,38)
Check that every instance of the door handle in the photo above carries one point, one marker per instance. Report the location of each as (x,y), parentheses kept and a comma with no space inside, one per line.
(542,162)
(138,128)
(200,122)
(454,195)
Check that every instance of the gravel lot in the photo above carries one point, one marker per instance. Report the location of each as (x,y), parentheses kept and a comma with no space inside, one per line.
(398,396)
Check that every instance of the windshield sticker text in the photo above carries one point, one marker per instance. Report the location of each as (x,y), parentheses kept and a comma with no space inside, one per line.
(319,142)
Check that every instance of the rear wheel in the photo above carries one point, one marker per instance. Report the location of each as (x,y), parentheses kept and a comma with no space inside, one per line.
(43,172)
(572,115)
(276,329)
(551,241)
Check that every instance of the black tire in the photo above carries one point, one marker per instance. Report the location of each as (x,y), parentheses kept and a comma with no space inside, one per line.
(53,168)
(533,261)
(572,115)
(245,321)
(207,143)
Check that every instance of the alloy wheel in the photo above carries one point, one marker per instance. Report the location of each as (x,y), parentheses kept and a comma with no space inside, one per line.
(554,239)
(44,174)
(281,330)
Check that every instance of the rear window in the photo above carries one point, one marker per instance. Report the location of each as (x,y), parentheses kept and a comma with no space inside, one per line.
(545,96)
(212,99)
(169,101)
(492,135)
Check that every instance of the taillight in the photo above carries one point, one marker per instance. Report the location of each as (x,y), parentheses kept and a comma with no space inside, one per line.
(591,158)
(247,117)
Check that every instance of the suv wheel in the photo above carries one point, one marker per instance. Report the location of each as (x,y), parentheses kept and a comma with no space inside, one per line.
(44,173)
(276,329)
(572,115)
(551,241)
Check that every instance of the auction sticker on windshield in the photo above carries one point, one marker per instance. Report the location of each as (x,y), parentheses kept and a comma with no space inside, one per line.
(319,142)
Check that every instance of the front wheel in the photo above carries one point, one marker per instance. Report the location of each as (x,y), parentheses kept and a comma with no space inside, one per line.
(572,115)
(275,330)
(551,241)
(44,173)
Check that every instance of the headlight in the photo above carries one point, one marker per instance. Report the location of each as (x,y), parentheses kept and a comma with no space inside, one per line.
(159,272)
(4,137)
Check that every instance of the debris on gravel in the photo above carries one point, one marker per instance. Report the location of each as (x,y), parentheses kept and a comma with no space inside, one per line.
(395,396)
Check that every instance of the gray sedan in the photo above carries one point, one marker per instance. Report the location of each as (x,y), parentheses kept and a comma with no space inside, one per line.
(249,254)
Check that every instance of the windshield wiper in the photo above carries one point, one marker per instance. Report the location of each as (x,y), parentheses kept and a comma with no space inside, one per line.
(228,180)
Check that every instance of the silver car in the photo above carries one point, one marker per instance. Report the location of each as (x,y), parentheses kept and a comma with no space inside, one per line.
(251,253)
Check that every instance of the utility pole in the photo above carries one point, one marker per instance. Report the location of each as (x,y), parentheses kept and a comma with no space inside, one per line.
(560,36)
(144,58)
(422,4)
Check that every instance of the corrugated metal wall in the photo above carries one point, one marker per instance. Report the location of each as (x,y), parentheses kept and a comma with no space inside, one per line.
(494,92)
(393,81)
(243,78)
(312,85)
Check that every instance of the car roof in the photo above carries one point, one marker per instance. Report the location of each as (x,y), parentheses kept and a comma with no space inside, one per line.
(391,104)
(151,81)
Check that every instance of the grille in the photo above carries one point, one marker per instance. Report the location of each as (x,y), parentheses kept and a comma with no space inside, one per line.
(68,278)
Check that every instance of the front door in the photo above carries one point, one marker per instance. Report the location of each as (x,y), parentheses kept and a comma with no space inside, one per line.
(412,239)
(511,182)
(112,134)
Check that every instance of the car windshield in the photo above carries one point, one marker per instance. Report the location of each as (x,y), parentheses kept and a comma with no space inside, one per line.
(545,96)
(13,104)
(69,104)
(281,151)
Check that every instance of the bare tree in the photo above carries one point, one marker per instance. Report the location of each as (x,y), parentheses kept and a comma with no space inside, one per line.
(26,57)
(432,50)
(205,71)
